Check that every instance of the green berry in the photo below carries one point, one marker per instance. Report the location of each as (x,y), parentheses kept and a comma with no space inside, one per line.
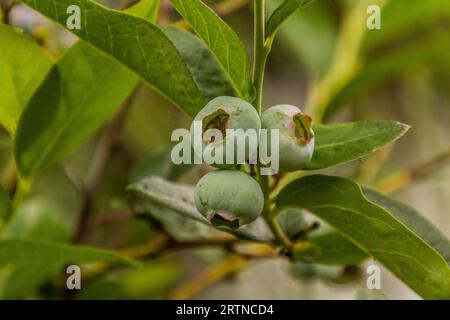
(224,113)
(296,137)
(229,198)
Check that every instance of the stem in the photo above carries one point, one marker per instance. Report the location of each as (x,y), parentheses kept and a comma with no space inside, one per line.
(23,189)
(107,144)
(278,233)
(404,178)
(260,52)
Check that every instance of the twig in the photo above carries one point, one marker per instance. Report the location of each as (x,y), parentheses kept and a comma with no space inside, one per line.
(277,179)
(208,277)
(106,146)
(6,7)
(99,220)
(402,179)
(155,244)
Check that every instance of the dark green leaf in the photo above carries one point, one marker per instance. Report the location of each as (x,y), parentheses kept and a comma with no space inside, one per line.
(23,66)
(414,220)
(341,204)
(81,92)
(340,143)
(207,73)
(282,13)
(135,42)
(221,40)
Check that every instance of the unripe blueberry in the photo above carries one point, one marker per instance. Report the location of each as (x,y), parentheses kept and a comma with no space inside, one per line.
(296,137)
(229,198)
(224,113)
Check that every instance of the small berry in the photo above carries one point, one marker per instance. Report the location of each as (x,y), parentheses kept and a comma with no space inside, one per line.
(296,137)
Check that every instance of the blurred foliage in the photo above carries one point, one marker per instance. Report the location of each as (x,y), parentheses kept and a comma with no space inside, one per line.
(324,58)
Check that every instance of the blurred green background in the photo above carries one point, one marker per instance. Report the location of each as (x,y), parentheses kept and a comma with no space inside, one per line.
(327,62)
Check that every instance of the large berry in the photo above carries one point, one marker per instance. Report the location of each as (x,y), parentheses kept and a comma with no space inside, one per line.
(296,137)
(229,198)
(224,113)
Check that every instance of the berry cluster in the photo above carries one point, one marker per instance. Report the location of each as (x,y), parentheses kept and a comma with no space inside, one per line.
(233,198)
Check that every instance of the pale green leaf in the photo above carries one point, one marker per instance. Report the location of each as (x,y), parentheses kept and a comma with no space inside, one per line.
(340,143)
(221,40)
(23,66)
(81,92)
(342,204)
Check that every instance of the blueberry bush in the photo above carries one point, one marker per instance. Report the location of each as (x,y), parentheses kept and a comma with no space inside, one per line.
(86,111)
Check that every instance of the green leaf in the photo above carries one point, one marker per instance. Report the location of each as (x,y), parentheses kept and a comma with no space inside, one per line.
(135,42)
(18,281)
(81,92)
(149,281)
(342,204)
(5,205)
(207,73)
(147,9)
(24,253)
(34,220)
(283,12)
(414,220)
(221,40)
(23,66)
(340,143)
(336,249)
(162,199)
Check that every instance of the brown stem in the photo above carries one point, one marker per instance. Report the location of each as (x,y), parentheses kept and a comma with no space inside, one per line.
(402,179)
(106,146)
(102,219)
(208,277)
